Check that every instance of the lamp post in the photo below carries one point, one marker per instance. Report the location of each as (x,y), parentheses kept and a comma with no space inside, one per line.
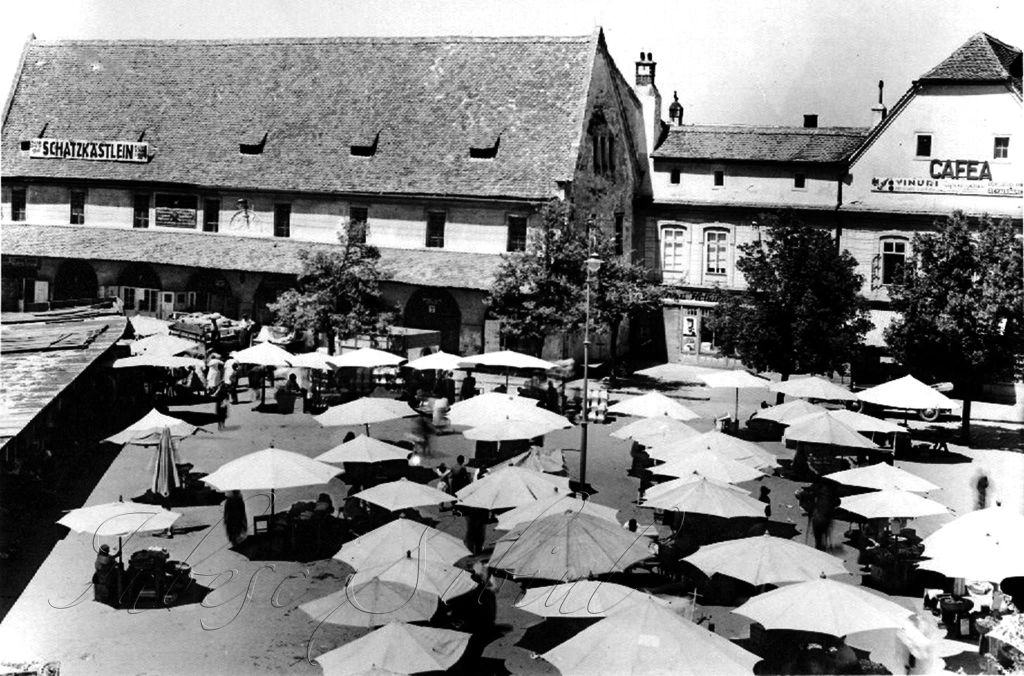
(593,265)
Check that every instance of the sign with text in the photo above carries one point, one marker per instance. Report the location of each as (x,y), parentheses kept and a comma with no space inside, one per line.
(947,186)
(108,151)
(176,211)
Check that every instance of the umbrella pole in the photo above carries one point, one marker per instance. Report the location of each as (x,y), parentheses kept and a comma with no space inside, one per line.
(367,427)
(736,412)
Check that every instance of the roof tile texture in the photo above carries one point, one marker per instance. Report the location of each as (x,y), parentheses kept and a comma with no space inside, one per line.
(761,144)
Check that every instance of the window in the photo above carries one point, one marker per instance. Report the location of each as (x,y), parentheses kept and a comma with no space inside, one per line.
(149,300)
(894,260)
(18,200)
(673,177)
(211,215)
(128,295)
(799,182)
(516,233)
(620,227)
(924,145)
(717,251)
(77,207)
(357,223)
(1001,149)
(435,229)
(602,142)
(719,179)
(673,249)
(140,211)
(282,220)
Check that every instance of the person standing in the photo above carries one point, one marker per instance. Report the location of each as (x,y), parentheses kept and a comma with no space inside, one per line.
(236,521)
(221,408)
(460,475)
(231,378)
(468,387)
(766,499)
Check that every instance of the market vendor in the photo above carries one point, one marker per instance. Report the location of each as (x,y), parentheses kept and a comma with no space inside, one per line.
(107,576)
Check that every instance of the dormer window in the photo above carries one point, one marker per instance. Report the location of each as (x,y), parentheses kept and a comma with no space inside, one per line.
(253,146)
(365,148)
(484,150)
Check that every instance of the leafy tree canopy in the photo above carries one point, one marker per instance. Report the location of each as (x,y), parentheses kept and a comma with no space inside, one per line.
(802,311)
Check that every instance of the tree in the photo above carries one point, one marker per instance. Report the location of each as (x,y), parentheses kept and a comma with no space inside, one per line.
(802,311)
(541,291)
(961,306)
(339,292)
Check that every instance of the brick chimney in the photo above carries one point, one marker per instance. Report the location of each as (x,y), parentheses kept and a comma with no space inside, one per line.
(879,111)
(650,98)
(810,121)
(645,70)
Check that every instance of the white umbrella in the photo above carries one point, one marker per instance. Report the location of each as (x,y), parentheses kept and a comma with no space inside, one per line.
(396,647)
(152,360)
(164,344)
(705,496)
(403,494)
(891,503)
(982,545)
(509,359)
(711,465)
(907,392)
(489,406)
(264,354)
(146,430)
(738,379)
(441,579)
(439,361)
(644,639)
(119,518)
(651,405)
(865,424)
(271,468)
(147,326)
(824,606)
(373,604)
(538,459)
(882,476)
(813,387)
(765,559)
(827,430)
(582,598)
(394,538)
(366,357)
(511,487)
(791,410)
(716,442)
(364,449)
(558,503)
(652,431)
(511,429)
(320,361)
(673,373)
(364,411)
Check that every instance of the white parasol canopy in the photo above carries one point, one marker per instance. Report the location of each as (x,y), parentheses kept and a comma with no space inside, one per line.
(364,411)
(264,354)
(652,431)
(907,392)
(738,379)
(156,360)
(827,430)
(489,406)
(144,325)
(320,361)
(161,343)
(865,424)
(439,361)
(397,648)
(704,496)
(393,539)
(653,404)
(271,468)
(366,357)
(363,449)
(403,494)
(882,476)
(509,359)
(582,598)
(982,545)
(791,410)
(441,579)
(146,430)
(717,442)
(553,504)
(510,429)
(373,604)
(891,503)
(711,465)
(813,387)
(511,487)
(672,372)
(765,559)
(119,518)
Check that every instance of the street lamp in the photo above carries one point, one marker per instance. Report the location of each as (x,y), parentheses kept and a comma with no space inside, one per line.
(593,265)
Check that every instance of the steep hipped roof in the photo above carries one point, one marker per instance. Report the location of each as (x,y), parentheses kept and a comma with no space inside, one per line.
(723,143)
(981,59)
(422,267)
(420,102)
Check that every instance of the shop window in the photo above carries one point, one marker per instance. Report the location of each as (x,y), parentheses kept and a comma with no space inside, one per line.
(1001,149)
(18,202)
(673,249)
(799,182)
(149,301)
(716,249)
(719,179)
(516,233)
(77,207)
(924,145)
(358,221)
(435,229)
(211,215)
(673,177)
(282,220)
(128,296)
(140,211)
(894,260)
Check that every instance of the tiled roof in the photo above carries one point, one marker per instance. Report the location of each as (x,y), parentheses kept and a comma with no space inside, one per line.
(423,267)
(196,101)
(981,58)
(760,144)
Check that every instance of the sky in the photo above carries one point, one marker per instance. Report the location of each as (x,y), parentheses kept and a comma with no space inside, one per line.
(731,61)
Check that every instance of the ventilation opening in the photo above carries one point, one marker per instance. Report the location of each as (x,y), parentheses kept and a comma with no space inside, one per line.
(364,150)
(485,152)
(253,148)
(26,145)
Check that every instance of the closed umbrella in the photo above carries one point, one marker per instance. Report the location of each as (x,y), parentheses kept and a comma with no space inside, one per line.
(791,410)
(824,606)
(490,406)
(653,404)
(366,357)
(396,647)
(813,387)
(645,638)
(511,487)
(892,503)
(985,544)
(765,559)
(651,431)
(737,379)
(582,598)
(864,424)
(165,470)
(373,604)
(704,496)
(908,393)
(567,546)
(439,361)
(164,344)
(443,580)
(403,494)
(147,430)
(881,476)
(156,360)
(393,539)
(363,449)
(364,411)
(271,468)
(716,442)
(828,431)
(711,465)
(264,354)
(553,504)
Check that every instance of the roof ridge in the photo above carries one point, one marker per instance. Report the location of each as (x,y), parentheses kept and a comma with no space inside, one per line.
(364,39)
(781,129)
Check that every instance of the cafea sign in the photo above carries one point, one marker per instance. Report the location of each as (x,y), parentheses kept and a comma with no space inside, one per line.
(109,151)
(972,170)
(954,177)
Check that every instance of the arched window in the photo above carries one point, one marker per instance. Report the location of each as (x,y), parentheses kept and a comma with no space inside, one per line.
(674,250)
(603,144)
(716,251)
(894,251)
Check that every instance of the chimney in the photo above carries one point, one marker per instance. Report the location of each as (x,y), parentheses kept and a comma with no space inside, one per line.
(675,110)
(650,99)
(645,70)
(879,111)
(810,121)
